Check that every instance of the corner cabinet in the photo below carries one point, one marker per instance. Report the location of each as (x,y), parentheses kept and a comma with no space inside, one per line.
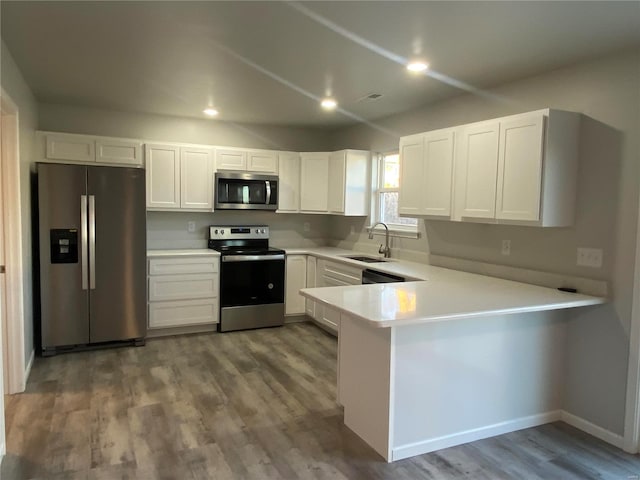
(179,177)
(337,183)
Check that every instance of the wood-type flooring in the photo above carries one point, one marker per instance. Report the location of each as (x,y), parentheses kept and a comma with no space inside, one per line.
(246,405)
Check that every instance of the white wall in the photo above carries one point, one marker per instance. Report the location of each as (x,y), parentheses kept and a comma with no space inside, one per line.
(15,86)
(606,92)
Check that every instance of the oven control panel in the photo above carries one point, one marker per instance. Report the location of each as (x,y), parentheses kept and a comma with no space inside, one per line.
(237,232)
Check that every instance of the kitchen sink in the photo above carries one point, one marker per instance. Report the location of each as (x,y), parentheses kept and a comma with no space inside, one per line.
(361,258)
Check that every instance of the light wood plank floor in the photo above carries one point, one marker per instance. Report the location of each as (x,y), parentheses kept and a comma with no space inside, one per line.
(246,405)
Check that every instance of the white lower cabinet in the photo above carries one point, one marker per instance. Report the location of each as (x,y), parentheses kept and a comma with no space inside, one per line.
(296,279)
(183,291)
(334,274)
(310,305)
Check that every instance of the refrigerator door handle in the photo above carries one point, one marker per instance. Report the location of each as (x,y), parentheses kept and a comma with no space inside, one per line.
(83,241)
(92,242)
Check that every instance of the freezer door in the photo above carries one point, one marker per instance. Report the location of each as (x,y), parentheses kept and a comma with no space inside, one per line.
(63,267)
(117,253)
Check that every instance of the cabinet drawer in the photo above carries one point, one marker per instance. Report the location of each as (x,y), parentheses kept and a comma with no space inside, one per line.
(182,287)
(348,275)
(173,266)
(188,312)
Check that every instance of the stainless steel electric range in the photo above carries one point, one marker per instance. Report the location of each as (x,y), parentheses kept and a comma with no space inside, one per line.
(251,277)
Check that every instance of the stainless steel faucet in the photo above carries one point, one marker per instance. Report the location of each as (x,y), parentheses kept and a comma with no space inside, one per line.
(386,250)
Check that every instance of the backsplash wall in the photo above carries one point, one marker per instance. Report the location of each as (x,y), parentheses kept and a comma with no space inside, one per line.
(168,230)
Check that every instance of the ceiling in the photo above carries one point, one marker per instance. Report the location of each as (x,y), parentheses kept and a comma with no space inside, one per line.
(270,62)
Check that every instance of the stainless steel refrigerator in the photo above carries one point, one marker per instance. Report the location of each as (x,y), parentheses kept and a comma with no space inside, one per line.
(92,255)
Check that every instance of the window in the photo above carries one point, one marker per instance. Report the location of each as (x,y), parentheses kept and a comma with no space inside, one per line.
(386,196)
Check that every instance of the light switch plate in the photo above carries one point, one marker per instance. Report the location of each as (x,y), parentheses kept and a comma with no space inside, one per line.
(506,247)
(306,226)
(589,257)
(191,227)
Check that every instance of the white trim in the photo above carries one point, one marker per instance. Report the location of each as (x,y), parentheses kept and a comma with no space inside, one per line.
(632,405)
(27,371)
(431,445)
(592,429)
(13,246)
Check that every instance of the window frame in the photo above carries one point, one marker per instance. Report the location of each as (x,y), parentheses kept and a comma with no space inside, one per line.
(377,187)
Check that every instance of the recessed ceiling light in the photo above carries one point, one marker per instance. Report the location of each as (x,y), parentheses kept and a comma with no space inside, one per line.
(417,66)
(328,104)
(211,112)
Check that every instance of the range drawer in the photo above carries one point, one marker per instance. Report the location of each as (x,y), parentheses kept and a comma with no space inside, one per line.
(183,313)
(176,266)
(182,287)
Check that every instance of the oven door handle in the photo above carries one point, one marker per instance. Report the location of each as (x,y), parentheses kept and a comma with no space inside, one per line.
(251,258)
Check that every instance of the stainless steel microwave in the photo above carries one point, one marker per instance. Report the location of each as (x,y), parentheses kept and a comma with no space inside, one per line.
(245,191)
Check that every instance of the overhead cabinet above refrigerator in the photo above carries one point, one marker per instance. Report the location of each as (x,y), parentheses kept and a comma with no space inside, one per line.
(92,255)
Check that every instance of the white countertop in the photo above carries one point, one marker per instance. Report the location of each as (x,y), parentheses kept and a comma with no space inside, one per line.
(444,294)
(188,252)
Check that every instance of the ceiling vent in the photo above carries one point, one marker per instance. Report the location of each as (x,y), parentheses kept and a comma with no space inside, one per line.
(369,97)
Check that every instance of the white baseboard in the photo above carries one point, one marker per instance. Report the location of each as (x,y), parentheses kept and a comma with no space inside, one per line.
(431,445)
(592,429)
(27,371)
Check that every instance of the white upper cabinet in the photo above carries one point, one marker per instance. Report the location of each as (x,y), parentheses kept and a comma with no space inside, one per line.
(196,178)
(231,159)
(520,169)
(426,173)
(289,182)
(119,151)
(262,161)
(163,176)
(314,182)
(411,168)
(88,149)
(350,182)
(239,159)
(179,177)
(336,183)
(478,157)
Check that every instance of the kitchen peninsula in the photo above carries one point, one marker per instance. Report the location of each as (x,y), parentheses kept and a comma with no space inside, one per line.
(452,359)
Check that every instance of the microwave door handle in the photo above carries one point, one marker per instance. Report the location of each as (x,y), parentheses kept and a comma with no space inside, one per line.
(268,183)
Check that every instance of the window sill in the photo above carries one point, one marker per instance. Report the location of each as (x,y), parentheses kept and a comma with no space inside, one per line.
(395,232)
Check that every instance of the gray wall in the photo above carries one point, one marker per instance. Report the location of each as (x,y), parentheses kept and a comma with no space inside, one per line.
(14,85)
(606,91)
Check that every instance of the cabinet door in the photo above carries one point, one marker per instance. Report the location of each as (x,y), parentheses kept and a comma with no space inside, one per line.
(121,152)
(310,305)
(182,287)
(231,159)
(337,181)
(411,174)
(520,168)
(265,161)
(163,176)
(314,180)
(77,148)
(289,182)
(182,313)
(295,280)
(196,179)
(438,173)
(479,157)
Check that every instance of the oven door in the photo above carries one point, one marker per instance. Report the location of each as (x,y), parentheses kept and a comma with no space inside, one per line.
(251,280)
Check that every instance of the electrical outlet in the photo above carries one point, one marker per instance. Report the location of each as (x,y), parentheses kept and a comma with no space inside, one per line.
(506,247)
(306,226)
(191,227)
(589,257)
(353,230)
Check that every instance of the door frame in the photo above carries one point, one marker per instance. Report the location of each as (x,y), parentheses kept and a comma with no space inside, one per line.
(14,313)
